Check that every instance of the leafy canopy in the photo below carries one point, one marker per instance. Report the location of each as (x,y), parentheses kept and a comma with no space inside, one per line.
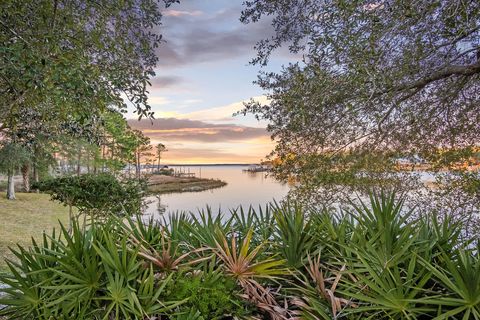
(78,56)
(379,81)
(13,156)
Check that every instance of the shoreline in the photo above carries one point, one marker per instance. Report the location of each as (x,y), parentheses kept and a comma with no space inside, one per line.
(162,184)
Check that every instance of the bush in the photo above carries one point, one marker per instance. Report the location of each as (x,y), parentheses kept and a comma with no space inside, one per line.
(208,293)
(83,275)
(96,194)
(376,261)
(166,172)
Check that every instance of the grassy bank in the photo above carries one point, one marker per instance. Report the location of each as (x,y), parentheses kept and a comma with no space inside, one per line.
(159,184)
(27,217)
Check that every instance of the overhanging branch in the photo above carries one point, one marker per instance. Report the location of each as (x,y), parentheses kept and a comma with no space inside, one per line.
(448,71)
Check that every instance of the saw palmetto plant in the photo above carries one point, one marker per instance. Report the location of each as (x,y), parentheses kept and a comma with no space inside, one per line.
(246,264)
(375,261)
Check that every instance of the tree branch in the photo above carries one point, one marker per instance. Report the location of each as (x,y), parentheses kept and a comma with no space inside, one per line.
(446,72)
(13,32)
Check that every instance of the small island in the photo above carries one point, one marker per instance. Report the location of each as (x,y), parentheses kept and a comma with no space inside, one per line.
(161,184)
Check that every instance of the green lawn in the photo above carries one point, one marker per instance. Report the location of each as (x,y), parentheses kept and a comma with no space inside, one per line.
(25,217)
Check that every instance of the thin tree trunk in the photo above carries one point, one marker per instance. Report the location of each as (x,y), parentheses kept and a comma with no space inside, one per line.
(88,161)
(35,176)
(78,162)
(35,166)
(137,165)
(103,158)
(70,217)
(11,186)
(26,177)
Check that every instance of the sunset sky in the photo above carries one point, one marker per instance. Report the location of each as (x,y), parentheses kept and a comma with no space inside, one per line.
(203,77)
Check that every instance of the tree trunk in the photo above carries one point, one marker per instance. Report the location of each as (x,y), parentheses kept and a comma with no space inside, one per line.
(35,176)
(88,161)
(70,217)
(26,177)
(103,158)
(137,165)
(11,186)
(78,161)
(35,165)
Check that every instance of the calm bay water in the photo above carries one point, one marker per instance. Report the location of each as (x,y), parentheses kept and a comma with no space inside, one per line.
(243,189)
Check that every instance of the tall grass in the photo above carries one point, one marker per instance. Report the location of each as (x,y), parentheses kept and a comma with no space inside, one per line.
(374,261)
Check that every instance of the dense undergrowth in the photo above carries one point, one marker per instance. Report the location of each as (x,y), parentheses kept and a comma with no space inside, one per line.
(375,262)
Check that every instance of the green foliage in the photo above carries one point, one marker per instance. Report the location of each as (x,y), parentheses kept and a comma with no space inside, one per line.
(460,275)
(260,220)
(13,156)
(376,261)
(77,57)
(166,172)
(82,275)
(376,84)
(98,194)
(292,235)
(209,294)
(120,140)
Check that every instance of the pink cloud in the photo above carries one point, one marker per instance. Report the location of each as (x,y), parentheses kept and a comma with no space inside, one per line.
(179,13)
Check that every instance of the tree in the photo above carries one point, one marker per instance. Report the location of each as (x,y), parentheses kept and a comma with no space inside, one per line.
(379,80)
(36,135)
(142,150)
(119,141)
(160,148)
(78,57)
(12,157)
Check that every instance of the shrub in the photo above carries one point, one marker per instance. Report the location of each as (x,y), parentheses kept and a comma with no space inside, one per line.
(96,194)
(209,294)
(79,274)
(376,261)
(166,172)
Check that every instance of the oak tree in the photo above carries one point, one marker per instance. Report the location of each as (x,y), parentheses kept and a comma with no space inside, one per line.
(374,82)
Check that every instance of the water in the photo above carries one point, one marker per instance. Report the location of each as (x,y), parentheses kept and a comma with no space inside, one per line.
(242,189)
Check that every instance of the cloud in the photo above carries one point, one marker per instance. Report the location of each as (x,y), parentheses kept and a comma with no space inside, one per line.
(215,114)
(183,153)
(161,82)
(223,113)
(204,155)
(158,100)
(179,13)
(209,38)
(174,130)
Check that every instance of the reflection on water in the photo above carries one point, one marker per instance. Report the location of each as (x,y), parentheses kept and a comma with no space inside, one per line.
(243,189)
(161,208)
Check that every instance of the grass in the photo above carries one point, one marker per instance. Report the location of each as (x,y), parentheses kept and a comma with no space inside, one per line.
(26,217)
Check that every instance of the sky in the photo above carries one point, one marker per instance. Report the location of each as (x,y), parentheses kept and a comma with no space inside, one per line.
(203,77)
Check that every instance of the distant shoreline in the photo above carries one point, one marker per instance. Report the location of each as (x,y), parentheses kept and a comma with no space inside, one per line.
(209,164)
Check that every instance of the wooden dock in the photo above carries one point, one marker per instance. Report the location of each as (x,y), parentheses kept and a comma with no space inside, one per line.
(183,173)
